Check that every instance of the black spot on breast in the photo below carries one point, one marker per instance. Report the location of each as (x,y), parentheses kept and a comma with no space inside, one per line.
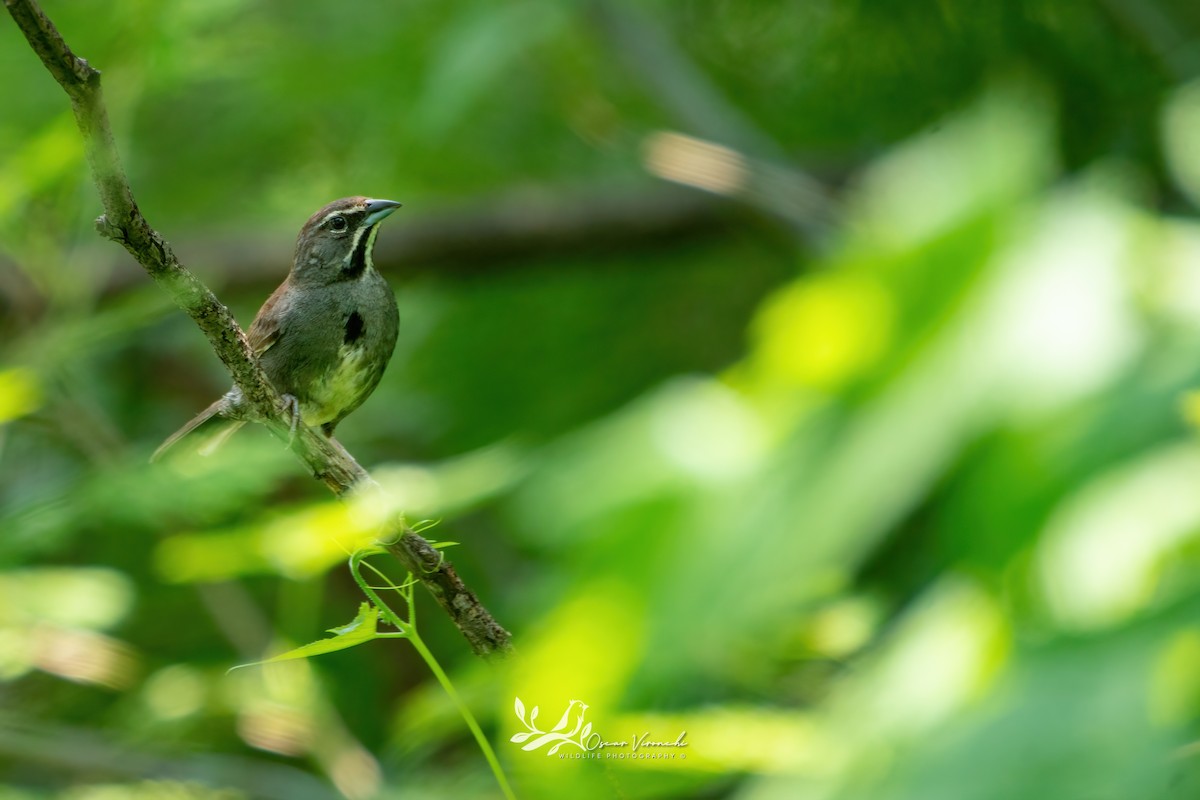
(355,328)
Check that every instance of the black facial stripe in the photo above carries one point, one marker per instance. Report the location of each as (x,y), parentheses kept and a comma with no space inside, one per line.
(355,328)
(358,259)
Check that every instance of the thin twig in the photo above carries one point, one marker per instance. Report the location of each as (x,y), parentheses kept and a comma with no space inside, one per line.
(123,223)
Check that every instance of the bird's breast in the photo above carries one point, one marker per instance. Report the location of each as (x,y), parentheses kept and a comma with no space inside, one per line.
(342,387)
(334,347)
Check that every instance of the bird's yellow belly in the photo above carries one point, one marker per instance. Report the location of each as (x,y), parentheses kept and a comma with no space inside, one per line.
(339,389)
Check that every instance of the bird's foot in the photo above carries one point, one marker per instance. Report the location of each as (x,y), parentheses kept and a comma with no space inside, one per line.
(293,406)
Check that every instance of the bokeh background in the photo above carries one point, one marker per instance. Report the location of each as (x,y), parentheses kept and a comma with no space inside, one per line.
(811,377)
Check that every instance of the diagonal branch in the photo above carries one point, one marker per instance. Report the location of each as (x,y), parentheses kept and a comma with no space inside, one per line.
(123,223)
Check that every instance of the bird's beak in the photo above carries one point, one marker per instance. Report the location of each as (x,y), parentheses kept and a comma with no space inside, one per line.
(378,209)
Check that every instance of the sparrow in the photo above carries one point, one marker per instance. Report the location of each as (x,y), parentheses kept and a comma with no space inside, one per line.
(325,336)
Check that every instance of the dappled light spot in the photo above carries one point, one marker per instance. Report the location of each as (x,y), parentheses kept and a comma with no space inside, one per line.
(355,772)
(942,655)
(584,648)
(203,558)
(275,705)
(174,692)
(821,332)
(152,790)
(1189,405)
(731,739)
(1103,551)
(984,159)
(55,152)
(1168,278)
(308,542)
(93,598)
(1180,132)
(1174,683)
(1060,321)
(84,657)
(276,729)
(842,627)
(20,393)
(301,543)
(707,430)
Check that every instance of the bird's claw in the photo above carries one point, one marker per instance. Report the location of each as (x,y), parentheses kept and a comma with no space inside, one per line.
(293,406)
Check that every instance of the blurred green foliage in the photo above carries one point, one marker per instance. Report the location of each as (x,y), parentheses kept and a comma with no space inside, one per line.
(888,496)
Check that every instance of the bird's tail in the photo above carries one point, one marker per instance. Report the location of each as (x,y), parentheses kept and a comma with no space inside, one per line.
(216,427)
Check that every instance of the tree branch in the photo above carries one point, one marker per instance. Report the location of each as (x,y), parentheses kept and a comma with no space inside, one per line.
(123,223)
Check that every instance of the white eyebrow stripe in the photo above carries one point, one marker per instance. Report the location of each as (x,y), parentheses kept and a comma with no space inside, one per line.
(339,211)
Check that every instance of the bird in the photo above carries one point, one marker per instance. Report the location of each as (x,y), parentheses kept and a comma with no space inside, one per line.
(325,336)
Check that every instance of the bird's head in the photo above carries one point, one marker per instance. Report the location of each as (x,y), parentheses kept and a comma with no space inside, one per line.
(335,244)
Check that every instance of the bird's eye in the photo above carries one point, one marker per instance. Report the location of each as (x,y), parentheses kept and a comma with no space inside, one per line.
(338,223)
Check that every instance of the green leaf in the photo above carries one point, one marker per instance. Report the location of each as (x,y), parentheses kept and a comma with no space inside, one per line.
(361,629)
(424,525)
(367,551)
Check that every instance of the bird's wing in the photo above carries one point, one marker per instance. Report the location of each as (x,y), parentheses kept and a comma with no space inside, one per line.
(265,329)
